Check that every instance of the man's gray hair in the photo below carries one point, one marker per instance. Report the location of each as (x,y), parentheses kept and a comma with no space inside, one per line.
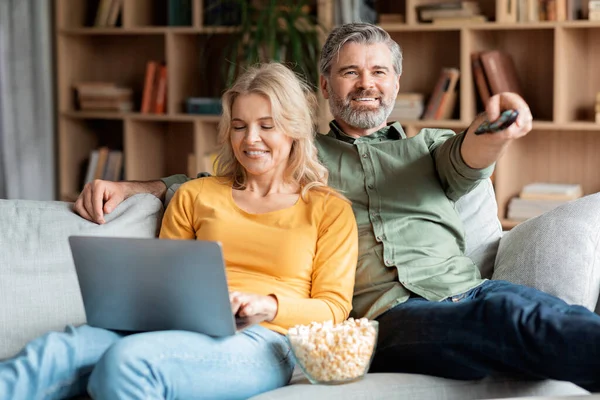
(357,33)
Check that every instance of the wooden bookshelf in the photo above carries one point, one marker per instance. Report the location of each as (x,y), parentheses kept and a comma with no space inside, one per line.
(154,145)
(557,64)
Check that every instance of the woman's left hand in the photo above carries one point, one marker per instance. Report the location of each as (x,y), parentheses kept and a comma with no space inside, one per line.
(250,309)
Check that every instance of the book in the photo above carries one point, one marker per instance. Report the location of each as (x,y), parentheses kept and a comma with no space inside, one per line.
(106,105)
(102,158)
(506,11)
(551,191)
(522,209)
(448,98)
(113,167)
(160,93)
(408,106)
(102,13)
(501,72)
(113,14)
(92,165)
(459,20)
(436,96)
(149,86)
(456,9)
(481,82)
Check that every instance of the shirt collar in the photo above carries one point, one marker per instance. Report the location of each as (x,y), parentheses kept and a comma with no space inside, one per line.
(393,131)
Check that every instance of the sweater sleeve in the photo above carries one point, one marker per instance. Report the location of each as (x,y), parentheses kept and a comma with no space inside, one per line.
(456,176)
(175,179)
(334,268)
(178,220)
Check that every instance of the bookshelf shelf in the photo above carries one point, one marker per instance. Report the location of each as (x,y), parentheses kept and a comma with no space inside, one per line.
(556,63)
(140,116)
(149,30)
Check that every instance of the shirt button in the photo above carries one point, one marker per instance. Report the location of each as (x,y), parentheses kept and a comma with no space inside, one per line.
(388,262)
(374,214)
(378,238)
(365,155)
(370,186)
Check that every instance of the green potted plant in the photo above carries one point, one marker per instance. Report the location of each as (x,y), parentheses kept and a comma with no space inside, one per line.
(261,30)
(275,30)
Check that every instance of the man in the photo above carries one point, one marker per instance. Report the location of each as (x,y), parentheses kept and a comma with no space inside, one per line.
(436,315)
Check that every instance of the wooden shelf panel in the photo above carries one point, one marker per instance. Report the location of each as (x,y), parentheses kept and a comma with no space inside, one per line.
(548,156)
(155,149)
(141,117)
(103,59)
(546,25)
(148,30)
(577,78)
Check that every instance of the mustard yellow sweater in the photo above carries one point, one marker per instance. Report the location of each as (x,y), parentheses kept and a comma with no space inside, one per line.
(305,255)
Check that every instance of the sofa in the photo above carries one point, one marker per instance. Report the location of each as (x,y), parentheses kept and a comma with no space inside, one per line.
(556,252)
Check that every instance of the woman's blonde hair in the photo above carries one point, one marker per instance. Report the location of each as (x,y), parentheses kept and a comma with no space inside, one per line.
(293,108)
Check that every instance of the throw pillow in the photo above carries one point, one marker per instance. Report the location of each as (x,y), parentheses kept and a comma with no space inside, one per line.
(556,252)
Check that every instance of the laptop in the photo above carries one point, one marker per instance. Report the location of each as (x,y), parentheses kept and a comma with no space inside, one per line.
(139,285)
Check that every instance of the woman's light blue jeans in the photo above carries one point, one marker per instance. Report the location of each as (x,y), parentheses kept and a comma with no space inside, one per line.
(153,365)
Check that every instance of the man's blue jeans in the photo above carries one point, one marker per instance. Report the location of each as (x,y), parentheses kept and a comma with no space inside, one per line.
(496,328)
(154,365)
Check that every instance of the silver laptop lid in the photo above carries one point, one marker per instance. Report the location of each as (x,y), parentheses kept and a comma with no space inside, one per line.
(136,284)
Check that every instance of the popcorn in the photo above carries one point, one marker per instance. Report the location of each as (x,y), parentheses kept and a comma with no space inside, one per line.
(334,353)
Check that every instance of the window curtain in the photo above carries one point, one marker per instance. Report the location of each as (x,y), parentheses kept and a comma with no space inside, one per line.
(27,169)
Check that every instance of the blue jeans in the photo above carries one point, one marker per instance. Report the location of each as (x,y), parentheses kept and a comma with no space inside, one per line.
(496,328)
(153,365)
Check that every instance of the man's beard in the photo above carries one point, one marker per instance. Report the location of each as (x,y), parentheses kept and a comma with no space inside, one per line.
(358,116)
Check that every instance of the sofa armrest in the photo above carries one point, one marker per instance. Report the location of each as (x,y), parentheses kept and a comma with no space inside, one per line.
(556,252)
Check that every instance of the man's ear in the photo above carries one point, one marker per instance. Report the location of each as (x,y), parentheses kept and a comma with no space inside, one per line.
(398,85)
(323,85)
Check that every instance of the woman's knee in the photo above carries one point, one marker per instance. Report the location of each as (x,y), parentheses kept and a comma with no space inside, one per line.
(124,368)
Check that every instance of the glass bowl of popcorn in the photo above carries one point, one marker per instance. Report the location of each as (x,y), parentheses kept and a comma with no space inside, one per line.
(331,353)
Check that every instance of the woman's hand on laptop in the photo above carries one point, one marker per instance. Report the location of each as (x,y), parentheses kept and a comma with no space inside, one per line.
(250,309)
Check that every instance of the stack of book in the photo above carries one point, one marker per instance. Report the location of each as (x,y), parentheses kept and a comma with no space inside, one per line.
(443,98)
(494,72)
(408,106)
(154,97)
(104,164)
(456,12)
(103,96)
(538,198)
(108,13)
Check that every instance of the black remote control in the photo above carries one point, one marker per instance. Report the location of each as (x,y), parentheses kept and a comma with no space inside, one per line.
(506,119)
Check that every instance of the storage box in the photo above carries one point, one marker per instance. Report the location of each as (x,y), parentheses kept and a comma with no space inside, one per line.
(203,105)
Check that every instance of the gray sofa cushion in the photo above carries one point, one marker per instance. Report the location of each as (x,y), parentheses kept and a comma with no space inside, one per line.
(415,387)
(556,252)
(38,285)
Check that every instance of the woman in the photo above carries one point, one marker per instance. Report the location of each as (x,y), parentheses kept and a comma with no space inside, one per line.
(290,248)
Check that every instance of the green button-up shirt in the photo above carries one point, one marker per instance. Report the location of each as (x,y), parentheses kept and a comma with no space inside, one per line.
(402,190)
